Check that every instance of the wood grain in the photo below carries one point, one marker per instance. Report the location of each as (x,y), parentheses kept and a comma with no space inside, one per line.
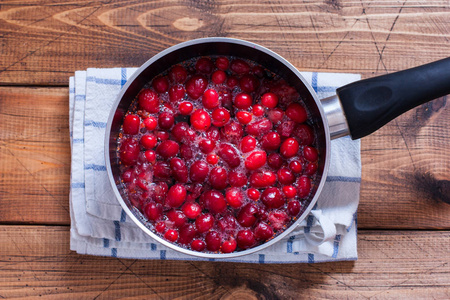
(36,261)
(43,43)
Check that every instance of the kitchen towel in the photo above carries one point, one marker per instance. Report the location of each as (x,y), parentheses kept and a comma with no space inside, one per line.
(99,226)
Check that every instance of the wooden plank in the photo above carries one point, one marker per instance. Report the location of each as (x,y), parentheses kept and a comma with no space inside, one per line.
(44,43)
(36,261)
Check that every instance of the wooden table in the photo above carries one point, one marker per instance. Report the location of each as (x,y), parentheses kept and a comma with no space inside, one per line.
(404,212)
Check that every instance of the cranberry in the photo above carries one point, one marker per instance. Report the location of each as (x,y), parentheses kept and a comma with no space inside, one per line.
(222,63)
(245,239)
(168,148)
(149,101)
(303,186)
(131,124)
(285,176)
(176,93)
(272,198)
(204,65)
(226,98)
(286,128)
(278,219)
(214,201)
(296,113)
(234,197)
(127,176)
(304,134)
(258,110)
(248,144)
(213,241)
(161,84)
(177,217)
(186,108)
(239,66)
(310,153)
(263,231)
(206,146)
(129,152)
(253,194)
(271,141)
(220,116)
(176,195)
(229,245)
(181,132)
(243,101)
(296,166)
(161,170)
(227,224)
(219,77)
(192,210)
(210,99)
(153,211)
(311,169)
(289,191)
(229,155)
(218,178)
(160,227)
(196,86)
(178,74)
(150,123)
(275,161)
(289,148)
(258,71)
(275,115)
(232,81)
(166,120)
(204,222)
(294,207)
(255,160)
(259,128)
(186,152)
(160,192)
(237,179)
(179,170)
(269,100)
(198,245)
(187,234)
(262,179)
(213,133)
(148,141)
(232,132)
(212,158)
(162,135)
(244,117)
(199,170)
(247,215)
(200,120)
(249,83)
(171,235)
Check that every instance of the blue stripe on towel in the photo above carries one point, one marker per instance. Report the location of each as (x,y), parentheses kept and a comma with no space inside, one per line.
(77,185)
(78,141)
(95,167)
(262,258)
(314,81)
(107,81)
(80,97)
(72,90)
(123,216)
(153,246)
(309,222)
(114,252)
(336,245)
(162,254)
(105,243)
(310,258)
(118,235)
(123,74)
(289,244)
(94,124)
(344,179)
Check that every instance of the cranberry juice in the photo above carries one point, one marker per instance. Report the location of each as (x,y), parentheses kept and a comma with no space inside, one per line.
(218,154)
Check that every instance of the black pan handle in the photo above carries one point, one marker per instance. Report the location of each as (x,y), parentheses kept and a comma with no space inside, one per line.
(371,103)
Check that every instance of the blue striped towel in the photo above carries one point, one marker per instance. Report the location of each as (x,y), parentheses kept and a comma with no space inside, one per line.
(99,226)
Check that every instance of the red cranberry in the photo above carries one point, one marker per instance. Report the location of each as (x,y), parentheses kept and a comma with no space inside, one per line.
(269,100)
(232,132)
(131,124)
(150,123)
(296,166)
(226,98)
(176,195)
(218,178)
(232,81)
(294,207)
(153,211)
(219,77)
(249,83)
(160,192)
(258,110)
(304,134)
(234,197)
(186,108)
(127,176)
(311,169)
(200,120)
(187,234)
(263,231)
(178,74)
(258,71)
(220,116)
(192,210)
(196,86)
(222,63)
(213,241)
(275,115)
(278,219)
(206,146)
(303,186)
(198,245)
(171,235)
(286,128)
(179,170)
(213,133)
(199,170)
(149,101)
(161,84)
(244,117)
(129,152)
(239,66)
(245,239)
(166,120)
(204,65)
(212,158)
(259,128)
(289,191)
(177,218)
(160,227)
(262,179)
(243,101)
(161,170)
(248,144)
(176,93)
(237,179)
(229,155)
(168,148)
(162,135)
(247,215)
(285,176)
(275,161)
(148,141)
(296,113)
(229,245)
(310,153)
(271,141)
(289,148)
(214,201)
(150,155)
(204,222)
(272,198)
(210,99)
(253,194)
(255,160)
(227,224)
(186,152)
(182,132)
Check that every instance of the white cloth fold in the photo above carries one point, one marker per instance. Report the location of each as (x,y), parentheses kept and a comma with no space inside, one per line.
(99,226)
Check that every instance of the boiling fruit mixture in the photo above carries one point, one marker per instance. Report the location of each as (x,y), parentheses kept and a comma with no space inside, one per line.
(218,154)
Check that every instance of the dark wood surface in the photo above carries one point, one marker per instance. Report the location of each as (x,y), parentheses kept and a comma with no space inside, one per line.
(403,216)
